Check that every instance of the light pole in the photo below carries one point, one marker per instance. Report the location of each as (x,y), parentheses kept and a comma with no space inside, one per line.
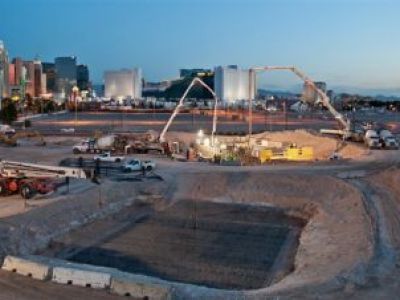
(75,91)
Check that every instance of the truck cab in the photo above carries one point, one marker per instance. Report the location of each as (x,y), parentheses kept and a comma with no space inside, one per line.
(84,146)
(372,139)
(388,140)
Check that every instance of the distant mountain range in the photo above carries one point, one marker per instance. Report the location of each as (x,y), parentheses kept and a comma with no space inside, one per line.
(379,94)
(276,93)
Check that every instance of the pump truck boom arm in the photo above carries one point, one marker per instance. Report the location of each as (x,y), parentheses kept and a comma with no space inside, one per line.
(180,104)
(29,179)
(324,98)
(29,170)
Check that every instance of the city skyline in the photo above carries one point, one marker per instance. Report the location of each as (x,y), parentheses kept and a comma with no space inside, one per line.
(349,44)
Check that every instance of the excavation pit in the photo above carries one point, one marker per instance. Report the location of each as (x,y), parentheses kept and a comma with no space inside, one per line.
(219,245)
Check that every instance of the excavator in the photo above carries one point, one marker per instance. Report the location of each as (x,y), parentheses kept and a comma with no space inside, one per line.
(28,179)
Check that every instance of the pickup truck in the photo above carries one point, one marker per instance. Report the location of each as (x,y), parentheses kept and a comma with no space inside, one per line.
(387,139)
(138,165)
(108,157)
(371,139)
(7,129)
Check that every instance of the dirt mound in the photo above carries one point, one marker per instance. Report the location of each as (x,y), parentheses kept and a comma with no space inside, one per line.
(323,146)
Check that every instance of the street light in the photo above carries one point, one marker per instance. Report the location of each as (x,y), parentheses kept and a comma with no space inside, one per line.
(75,91)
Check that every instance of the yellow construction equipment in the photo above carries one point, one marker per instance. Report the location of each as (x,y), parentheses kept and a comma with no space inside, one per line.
(299,153)
(265,155)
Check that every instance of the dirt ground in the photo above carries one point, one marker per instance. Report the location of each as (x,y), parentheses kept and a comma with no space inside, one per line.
(349,248)
(246,247)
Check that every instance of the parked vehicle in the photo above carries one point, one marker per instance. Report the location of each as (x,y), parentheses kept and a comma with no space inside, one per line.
(106,143)
(108,157)
(138,165)
(28,179)
(371,139)
(387,140)
(6,129)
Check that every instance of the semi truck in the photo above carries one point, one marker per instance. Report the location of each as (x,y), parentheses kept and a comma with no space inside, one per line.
(118,143)
(108,143)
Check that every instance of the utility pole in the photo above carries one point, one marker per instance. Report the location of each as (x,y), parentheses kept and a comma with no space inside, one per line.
(74,93)
(252,93)
(23,83)
(285,113)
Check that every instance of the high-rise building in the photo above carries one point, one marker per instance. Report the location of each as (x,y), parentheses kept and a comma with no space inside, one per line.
(123,84)
(4,76)
(11,74)
(25,78)
(38,86)
(98,90)
(19,66)
(232,84)
(66,71)
(30,78)
(83,77)
(17,78)
(49,70)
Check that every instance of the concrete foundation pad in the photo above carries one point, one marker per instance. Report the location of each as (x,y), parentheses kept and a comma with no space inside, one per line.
(81,277)
(27,267)
(143,290)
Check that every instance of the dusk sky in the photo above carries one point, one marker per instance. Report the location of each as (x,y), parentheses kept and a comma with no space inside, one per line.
(353,43)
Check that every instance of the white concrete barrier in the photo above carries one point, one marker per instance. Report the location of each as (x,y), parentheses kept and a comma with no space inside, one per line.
(27,267)
(143,290)
(81,277)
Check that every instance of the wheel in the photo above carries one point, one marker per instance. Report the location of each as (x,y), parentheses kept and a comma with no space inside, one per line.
(149,168)
(76,151)
(27,191)
(118,160)
(3,188)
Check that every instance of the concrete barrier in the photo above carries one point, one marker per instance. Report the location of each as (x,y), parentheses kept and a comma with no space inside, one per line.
(81,277)
(143,290)
(27,267)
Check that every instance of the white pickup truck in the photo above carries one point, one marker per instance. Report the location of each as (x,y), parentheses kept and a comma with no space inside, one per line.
(371,139)
(138,165)
(108,157)
(7,129)
(388,140)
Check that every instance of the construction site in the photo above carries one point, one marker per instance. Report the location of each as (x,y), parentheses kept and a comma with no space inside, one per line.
(173,211)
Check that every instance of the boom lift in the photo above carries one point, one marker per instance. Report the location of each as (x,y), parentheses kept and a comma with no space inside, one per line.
(29,179)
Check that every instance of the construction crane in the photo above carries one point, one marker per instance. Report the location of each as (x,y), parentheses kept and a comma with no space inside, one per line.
(29,179)
(180,104)
(323,98)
